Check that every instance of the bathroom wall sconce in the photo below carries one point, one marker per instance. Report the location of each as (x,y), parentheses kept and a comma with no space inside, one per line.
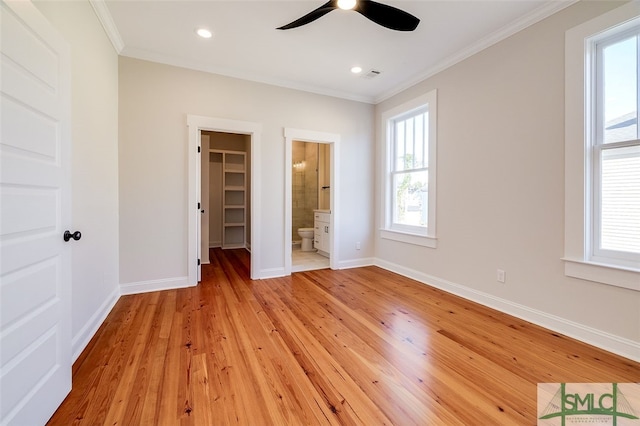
(299,166)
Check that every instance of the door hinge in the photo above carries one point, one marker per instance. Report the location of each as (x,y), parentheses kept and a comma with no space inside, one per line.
(198,262)
(198,206)
(198,149)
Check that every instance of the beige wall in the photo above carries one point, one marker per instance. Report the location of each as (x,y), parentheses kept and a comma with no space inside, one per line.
(155,100)
(94,175)
(500,201)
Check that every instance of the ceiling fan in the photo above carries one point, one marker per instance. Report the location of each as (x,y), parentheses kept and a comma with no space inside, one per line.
(382,14)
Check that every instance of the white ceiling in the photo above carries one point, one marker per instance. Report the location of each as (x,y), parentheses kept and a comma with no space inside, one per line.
(316,57)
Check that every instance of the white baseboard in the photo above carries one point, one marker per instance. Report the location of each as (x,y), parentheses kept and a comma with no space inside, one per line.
(609,342)
(270,273)
(84,336)
(356,263)
(154,285)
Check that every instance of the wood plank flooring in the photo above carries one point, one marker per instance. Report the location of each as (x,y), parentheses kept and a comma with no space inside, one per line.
(353,347)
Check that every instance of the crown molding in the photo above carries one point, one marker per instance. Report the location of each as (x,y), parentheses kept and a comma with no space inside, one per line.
(105,18)
(547,9)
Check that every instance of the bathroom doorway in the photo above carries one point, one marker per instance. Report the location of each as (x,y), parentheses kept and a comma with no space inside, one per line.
(310,203)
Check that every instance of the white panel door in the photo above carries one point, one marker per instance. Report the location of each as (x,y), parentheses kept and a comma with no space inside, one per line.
(35,273)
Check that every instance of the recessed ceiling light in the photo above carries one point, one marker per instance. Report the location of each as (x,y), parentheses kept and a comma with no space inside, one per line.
(356,70)
(346,4)
(204,33)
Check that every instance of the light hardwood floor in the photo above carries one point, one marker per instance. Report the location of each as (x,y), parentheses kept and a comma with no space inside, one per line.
(353,347)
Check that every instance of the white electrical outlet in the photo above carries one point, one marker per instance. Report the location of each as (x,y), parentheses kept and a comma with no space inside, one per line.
(500,276)
(358,245)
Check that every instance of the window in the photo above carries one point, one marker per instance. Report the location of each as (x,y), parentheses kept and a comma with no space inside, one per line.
(602,149)
(410,172)
(409,198)
(615,150)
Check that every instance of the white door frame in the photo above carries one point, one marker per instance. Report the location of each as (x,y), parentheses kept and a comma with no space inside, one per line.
(333,140)
(196,124)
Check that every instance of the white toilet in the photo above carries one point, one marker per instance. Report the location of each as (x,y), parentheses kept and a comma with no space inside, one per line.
(307,238)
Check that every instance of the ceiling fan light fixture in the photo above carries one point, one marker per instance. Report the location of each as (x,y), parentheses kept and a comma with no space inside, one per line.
(346,4)
(382,14)
(204,33)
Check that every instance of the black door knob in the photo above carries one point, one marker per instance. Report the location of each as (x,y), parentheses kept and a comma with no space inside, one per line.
(68,235)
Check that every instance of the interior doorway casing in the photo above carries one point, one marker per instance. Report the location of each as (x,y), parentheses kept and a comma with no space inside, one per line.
(333,140)
(196,125)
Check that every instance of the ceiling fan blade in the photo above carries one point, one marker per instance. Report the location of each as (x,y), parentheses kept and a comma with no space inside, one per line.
(312,16)
(387,16)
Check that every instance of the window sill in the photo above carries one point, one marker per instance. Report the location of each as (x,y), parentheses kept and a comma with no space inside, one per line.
(405,237)
(606,274)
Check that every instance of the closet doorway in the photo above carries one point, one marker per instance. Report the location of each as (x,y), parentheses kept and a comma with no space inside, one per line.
(225,192)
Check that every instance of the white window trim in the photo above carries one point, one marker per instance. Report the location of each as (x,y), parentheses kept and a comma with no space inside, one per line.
(427,239)
(577,128)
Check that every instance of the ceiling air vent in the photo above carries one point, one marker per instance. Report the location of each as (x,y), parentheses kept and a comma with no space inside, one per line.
(371,74)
